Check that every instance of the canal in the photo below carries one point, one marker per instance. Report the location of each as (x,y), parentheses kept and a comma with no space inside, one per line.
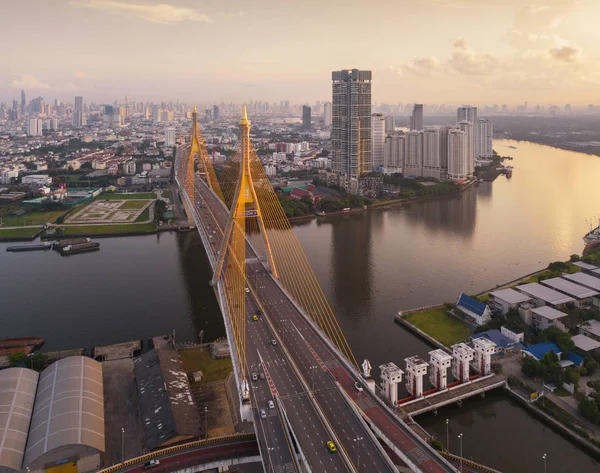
(370,266)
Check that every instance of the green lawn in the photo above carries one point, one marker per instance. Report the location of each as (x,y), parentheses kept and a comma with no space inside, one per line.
(19,232)
(145,215)
(213,370)
(440,325)
(108,229)
(34,218)
(138,195)
(166,195)
(133,205)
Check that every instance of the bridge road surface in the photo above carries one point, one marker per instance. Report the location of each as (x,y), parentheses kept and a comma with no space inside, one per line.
(346,426)
(304,420)
(320,355)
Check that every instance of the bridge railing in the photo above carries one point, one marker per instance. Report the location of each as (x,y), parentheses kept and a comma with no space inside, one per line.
(472,464)
(178,448)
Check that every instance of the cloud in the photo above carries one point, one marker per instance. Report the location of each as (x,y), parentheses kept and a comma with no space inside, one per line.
(565,53)
(421,66)
(161,13)
(27,81)
(80,75)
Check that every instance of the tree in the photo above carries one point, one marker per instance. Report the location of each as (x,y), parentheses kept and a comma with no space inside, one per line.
(530,368)
(558,266)
(589,410)
(574,258)
(16,359)
(37,361)
(562,339)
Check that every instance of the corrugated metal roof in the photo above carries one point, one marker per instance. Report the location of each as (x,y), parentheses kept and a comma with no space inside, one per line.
(570,288)
(510,295)
(17,395)
(471,304)
(538,351)
(69,409)
(545,293)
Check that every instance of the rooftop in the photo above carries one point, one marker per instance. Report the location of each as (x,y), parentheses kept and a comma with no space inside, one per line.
(548,312)
(440,355)
(510,295)
(545,293)
(583,265)
(495,336)
(593,327)
(585,343)
(483,342)
(415,361)
(538,351)
(570,288)
(470,304)
(584,279)
(390,369)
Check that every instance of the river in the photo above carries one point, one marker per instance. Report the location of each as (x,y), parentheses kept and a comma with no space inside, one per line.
(370,266)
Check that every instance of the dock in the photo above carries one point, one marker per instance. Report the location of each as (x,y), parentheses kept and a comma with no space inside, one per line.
(455,394)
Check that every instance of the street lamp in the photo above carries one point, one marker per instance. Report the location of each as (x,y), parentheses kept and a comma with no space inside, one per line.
(122,445)
(544,457)
(460,436)
(206,422)
(448,435)
(358,439)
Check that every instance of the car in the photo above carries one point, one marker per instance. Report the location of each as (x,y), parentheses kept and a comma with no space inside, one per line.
(151,464)
(247,290)
(263,414)
(261,376)
(271,404)
(273,342)
(258,312)
(358,387)
(254,377)
(255,318)
(331,446)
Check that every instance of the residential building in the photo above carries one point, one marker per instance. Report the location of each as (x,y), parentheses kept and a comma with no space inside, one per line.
(413,154)
(443,134)
(34,127)
(378,140)
(351,123)
(504,300)
(538,351)
(543,295)
(431,153)
(393,154)
(583,296)
(416,119)
(484,132)
(327,114)
(169,136)
(591,329)
(466,113)
(457,155)
(129,167)
(467,127)
(475,311)
(544,317)
(78,116)
(216,112)
(390,124)
(306,117)
(23,102)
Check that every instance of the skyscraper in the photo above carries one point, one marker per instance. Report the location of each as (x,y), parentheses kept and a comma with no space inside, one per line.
(169,136)
(468,113)
(22,102)
(390,124)
(78,117)
(413,154)
(327,114)
(431,153)
(469,129)
(377,140)
(393,154)
(306,117)
(485,134)
(457,154)
(351,123)
(416,119)
(216,112)
(34,127)
(443,134)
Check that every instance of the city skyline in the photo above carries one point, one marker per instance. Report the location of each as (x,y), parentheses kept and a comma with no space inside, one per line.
(503,52)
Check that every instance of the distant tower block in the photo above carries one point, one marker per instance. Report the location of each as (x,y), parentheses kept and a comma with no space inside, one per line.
(391,377)
(416,369)
(462,354)
(484,349)
(440,361)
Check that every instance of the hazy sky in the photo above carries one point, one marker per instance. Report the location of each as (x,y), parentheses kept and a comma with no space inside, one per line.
(432,51)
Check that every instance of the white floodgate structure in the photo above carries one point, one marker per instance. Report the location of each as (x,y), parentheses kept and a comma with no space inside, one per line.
(484,349)
(463,354)
(391,377)
(416,369)
(440,362)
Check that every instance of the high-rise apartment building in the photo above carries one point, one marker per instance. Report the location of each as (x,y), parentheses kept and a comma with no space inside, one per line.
(377,140)
(416,119)
(34,127)
(216,112)
(469,129)
(169,136)
(78,117)
(393,154)
(468,113)
(443,134)
(484,136)
(431,153)
(79,103)
(413,154)
(306,117)
(351,123)
(390,124)
(23,102)
(327,114)
(457,154)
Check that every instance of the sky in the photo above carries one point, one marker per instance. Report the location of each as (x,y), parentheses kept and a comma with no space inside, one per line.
(430,51)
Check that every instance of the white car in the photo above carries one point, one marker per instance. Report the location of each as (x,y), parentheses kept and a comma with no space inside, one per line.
(271,404)
(358,387)
(263,414)
(247,290)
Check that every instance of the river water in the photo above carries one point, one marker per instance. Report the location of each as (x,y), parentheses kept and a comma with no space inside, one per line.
(370,266)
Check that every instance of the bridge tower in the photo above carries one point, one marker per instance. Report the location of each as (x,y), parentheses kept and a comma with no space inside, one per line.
(245,205)
(462,354)
(440,361)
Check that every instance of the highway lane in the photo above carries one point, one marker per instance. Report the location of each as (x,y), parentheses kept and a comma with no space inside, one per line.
(304,420)
(355,439)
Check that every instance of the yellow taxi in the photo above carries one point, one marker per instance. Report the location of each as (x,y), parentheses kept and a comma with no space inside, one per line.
(331,446)
(255,318)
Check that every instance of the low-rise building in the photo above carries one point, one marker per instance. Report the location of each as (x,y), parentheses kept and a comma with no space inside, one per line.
(543,295)
(545,317)
(591,329)
(538,351)
(504,300)
(38,180)
(585,343)
(475,311)
(583,296)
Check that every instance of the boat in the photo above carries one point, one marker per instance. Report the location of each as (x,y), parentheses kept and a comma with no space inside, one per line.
(42,246)
(592,238)
(79,248)
(512,147)
(59,245)
(16,345)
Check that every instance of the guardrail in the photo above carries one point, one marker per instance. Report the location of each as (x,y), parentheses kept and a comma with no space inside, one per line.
(178,448)
(472,464)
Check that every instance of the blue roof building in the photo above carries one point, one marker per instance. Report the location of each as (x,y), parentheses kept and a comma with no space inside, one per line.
(538,351)
(477,312)
(575,358)
(502,342)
